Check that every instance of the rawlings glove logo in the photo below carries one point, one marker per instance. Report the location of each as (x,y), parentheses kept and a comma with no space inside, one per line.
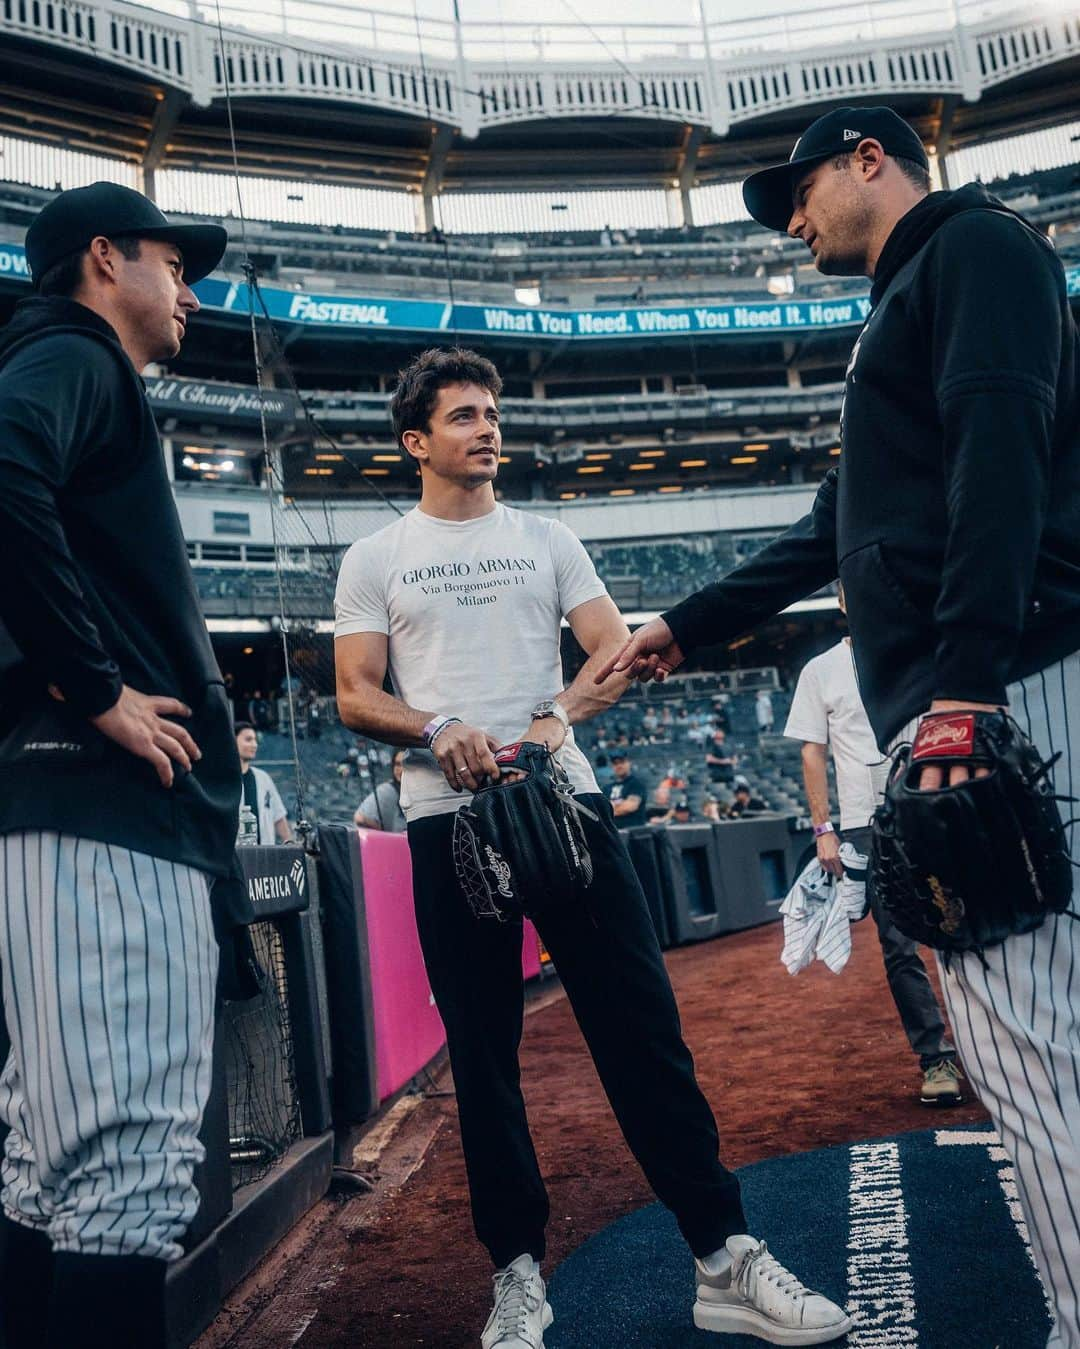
(947,737)
(952,910)
(500,871)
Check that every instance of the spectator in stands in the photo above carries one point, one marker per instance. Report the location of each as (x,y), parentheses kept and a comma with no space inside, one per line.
(720,762)
(650,723)
(711,809)
(745,802)
(721,717)
(626,793)
(672,781)
(261,712)
(605,774)
(349,763)
(381,809)
(259,791)
(314,718)
(763,711)
(680,813)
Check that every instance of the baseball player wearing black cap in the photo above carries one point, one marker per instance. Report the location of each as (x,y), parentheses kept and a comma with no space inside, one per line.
(119,785)
(954,524)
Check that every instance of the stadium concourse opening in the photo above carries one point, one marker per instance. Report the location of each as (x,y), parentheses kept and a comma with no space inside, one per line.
(563,198)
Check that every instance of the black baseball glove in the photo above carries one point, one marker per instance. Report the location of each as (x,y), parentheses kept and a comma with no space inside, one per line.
(962,868)
(519,846)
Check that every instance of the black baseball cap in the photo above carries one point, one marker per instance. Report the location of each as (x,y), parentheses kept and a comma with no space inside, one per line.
(616,754)
(68,223)
(767,193)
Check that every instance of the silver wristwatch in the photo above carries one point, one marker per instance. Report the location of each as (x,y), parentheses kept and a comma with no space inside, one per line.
(550,708)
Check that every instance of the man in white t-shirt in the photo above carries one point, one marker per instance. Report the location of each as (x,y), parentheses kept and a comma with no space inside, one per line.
(461,601)
(381,808)
(827,714)
(259,791)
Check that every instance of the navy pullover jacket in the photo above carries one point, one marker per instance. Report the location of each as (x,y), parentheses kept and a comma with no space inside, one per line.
(953,518)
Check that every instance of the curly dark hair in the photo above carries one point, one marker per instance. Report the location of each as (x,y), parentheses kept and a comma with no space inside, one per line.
(419,384)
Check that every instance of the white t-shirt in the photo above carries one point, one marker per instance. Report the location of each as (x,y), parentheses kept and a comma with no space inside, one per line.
(827,710)
(472,609)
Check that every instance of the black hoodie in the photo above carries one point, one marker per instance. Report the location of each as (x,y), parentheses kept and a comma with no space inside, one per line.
(98,592)
(954,518)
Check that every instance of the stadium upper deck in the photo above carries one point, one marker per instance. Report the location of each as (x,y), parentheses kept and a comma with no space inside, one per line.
(713,353)
(337,93)
(662,410)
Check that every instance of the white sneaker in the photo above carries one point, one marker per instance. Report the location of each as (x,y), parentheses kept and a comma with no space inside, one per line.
(522,1312)
(758,1296)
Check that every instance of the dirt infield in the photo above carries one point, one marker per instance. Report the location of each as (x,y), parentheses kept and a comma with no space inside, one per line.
(789,1064)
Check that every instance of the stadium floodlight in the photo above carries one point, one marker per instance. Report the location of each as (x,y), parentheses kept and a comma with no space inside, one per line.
(227,465)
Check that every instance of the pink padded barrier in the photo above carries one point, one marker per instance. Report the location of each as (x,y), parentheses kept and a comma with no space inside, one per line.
(408,1029)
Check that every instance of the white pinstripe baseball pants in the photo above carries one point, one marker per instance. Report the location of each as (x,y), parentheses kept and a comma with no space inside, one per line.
(1017,1027)
(109,967)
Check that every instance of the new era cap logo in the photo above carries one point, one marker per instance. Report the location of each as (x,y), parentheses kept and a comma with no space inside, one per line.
(852,135)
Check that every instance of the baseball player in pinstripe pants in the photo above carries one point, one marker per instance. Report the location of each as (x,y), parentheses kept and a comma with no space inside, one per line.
(119,786)
(953,521)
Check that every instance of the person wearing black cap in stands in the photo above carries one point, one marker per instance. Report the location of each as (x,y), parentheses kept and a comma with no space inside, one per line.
(119,785)
(626,792)
(953,521)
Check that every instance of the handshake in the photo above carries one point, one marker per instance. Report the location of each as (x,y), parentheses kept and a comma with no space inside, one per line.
(651,653)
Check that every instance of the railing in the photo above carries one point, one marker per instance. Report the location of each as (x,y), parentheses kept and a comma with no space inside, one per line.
(476,74)
(552,41)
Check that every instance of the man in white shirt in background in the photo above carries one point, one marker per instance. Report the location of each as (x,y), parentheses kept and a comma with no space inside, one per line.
(827,714)
(381,808)
(259,792)
(462,601)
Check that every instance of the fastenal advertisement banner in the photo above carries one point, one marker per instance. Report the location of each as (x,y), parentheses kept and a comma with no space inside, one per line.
(356,314)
